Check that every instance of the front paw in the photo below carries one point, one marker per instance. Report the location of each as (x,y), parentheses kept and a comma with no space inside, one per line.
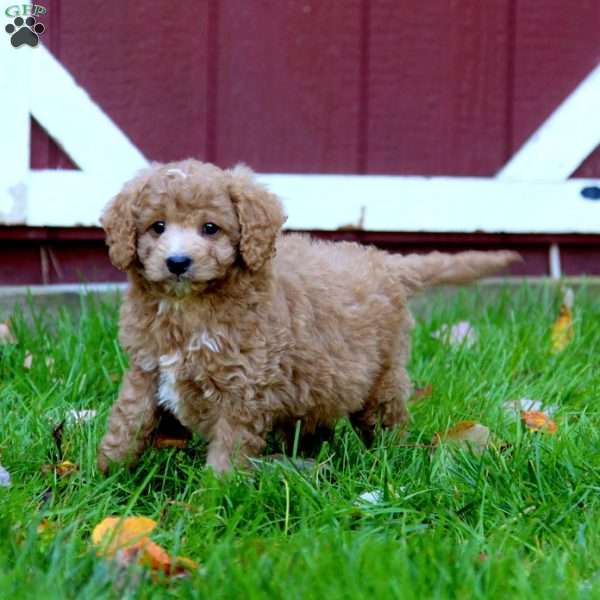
(219,462)
(110,456)
(103,462)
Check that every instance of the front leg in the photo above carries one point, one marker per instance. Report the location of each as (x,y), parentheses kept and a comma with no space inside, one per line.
(133,418)
(231,444)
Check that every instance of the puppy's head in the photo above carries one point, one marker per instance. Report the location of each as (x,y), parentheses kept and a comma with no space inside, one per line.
(186,224)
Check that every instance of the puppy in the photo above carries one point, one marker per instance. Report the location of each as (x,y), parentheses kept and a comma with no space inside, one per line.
(238,331)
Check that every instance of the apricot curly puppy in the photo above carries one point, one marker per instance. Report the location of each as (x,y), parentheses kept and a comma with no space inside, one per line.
(237,330)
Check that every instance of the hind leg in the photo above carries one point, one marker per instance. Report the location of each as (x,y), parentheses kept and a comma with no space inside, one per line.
(386,404)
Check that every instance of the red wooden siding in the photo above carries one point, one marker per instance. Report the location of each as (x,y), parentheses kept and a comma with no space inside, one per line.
(437,87)
(356,86)
(376,86)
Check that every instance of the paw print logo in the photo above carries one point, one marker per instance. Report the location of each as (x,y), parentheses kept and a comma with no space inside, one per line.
(24,32)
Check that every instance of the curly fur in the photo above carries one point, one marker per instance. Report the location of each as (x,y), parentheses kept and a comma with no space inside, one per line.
(264,330)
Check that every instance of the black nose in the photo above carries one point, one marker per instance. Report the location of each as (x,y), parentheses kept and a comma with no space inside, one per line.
(178,264)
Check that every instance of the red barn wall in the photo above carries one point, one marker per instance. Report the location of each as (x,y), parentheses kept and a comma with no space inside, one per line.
(442,87)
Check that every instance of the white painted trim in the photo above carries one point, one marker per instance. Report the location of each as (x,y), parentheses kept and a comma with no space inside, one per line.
(564,140)
(77,123)
(31,79)
(68,198)
(33,82)
(327,202)
(554,262)
(15,90)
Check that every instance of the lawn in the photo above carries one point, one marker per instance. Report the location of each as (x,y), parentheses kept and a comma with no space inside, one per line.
(520,520)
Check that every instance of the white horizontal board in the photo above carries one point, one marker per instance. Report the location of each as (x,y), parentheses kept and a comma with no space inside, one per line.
(564,140)
(67,198)
(327,202)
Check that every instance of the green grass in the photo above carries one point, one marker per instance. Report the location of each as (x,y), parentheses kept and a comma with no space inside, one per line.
(519,523)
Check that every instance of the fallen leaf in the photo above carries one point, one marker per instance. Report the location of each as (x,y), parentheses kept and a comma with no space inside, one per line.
(4,477)
(45,526)
(163,441)
(127,542)
(81,416)
(373,497)
(66,467)
(28,360)
(562,329)
(516,407)
(538,421)
(6,335)
(468,434)
(154,556)
(114,533)
(182,566)
(422,393)
(459,333)
(62,469)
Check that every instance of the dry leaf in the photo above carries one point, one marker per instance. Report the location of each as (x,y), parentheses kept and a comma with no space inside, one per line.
(126,540)
(468,434)
(6,335)
(422,393)
(374,497)
(81,416)
(459,333)
(516,407)
(182,565)
(113,533)
(28,360)
(562,329)
(62,469)
(4,477)
(45,527)
(538,421)
(164,441)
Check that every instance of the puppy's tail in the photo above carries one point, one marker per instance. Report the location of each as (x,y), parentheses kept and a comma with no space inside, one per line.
(421,271)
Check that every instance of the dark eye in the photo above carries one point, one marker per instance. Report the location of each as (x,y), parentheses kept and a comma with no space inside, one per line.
(158,227)
(210,228)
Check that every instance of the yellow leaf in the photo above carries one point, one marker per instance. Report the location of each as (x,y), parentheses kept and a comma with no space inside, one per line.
(66,467)
(562,329)
(468,434)
(127,542)
(114,533)
(538,421)
(62,469)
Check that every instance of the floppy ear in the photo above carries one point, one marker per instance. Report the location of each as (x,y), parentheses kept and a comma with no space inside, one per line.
(260,215)
(118,221)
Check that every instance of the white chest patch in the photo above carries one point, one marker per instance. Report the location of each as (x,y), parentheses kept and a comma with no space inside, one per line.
(167,382)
